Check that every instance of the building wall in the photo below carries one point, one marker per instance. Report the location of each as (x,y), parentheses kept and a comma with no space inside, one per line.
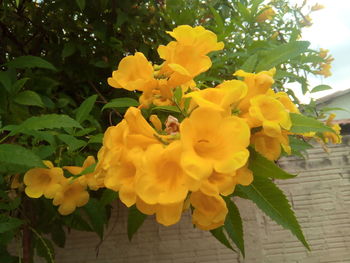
(320,196)
(342,101)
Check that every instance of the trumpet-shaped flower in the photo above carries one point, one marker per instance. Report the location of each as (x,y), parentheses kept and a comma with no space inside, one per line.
(213,142)
(123,175)
(133,73)
(267,14)
(209,211)
(168,214)
(259,83)
(86,179)
(222,97)
(71,195)
(163,180)
(270,113)
(43,181)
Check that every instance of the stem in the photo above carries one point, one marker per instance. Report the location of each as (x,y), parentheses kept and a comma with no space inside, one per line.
(26,242)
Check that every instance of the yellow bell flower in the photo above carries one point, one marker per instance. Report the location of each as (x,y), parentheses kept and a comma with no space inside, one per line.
(162,179)
(270,113)
(43,181)
(258,84)
(325,70)
(286,101)
(86,179)
(123,174)
(204,40)
(133,73)
(222,97)
(71,195)
(209,211)
(317,7)
(333,137)
(224,184)
(270,147)
(213,142)
(166,215)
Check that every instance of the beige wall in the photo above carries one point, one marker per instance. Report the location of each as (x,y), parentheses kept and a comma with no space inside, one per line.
(320,197)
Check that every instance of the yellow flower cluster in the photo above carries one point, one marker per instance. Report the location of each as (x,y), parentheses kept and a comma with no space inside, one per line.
(50,182)
(165,168)
(266,14)
(325,67)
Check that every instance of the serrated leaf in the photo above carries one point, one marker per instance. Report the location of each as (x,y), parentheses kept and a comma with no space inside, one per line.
(271,200)
(121,103)
(135,220)
(29,98)
(219,234)
(320,88)
(17,155)
(233,225)
(303,124)
(85,108)
(30,62)
(97,216)
(250,63)
(281,54)
(263,167)
(298,145)
(8,223)
(48,121)
(72,142)
(81,4)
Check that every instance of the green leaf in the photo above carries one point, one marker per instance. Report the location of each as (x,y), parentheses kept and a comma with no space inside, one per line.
(320,88)
(281,54)
(178,95)
(5,80)
(29,98)
(135,220)
(218,19)
(85,108)
(68,49)
(8,223)
(58,235)
(219,234)
(166,109)
(233,225)
(97,216)
(72,142)
(108,196)
(298,145)
(17,155)
(303,124)
(88,170)
(121,103)
(48,121)
(30,62)
(271,200)
(98,138)
(249,64)
(18,85)
(263,167)
(44,249)
(81,4)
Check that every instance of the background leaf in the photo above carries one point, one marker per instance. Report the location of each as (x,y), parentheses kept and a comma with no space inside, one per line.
(29,98)
(85,108)
(303,124)
(30,62)
(135,220)
(121,103)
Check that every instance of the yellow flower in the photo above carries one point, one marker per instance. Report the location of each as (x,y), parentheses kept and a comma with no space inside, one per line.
(209,211)
(213,142)
(166,215)
(286,101)
(157,124)
(70,196)
(43,181)
(333,137)
(222,97)
(162,180)
(325,70)
(133,73)
(323,53)
(204,40)
(224,184)
(86,179)
(267,14)
(123,174)
(270,113)
(317,7)
(258,83)
(270,147)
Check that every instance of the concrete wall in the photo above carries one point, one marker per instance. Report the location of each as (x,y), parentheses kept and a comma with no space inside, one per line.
(320,197)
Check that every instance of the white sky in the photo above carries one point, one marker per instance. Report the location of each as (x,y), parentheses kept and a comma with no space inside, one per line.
(330,30)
